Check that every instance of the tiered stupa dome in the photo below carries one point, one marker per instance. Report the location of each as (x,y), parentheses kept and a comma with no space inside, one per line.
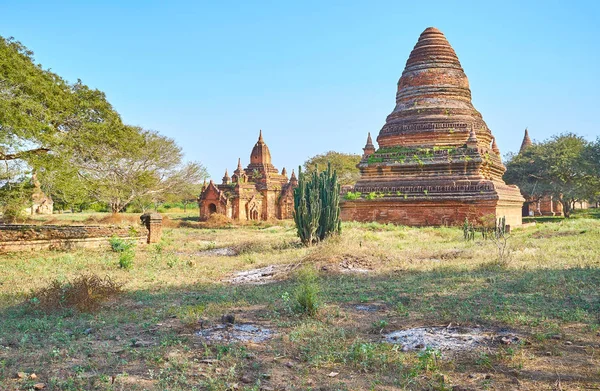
(437,162)
(433,97)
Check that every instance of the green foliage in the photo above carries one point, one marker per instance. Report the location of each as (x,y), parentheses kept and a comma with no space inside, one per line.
(126,259)
(120,245)
(316,205)
(306,296)
(344,164)
(565,167)
(14,198)
(352,195)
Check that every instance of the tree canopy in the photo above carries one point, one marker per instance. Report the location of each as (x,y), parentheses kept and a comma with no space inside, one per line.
(76,142)
(344,164)
(562,167)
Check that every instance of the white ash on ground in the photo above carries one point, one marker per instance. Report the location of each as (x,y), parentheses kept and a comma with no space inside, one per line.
(261,276)
(448,338)
(245,332)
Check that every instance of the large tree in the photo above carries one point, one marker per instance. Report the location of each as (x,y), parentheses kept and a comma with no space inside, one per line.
(342,163)
(559,167)
(76,143)
(142,164)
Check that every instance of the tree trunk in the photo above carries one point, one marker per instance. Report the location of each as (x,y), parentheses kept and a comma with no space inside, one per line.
(566,204)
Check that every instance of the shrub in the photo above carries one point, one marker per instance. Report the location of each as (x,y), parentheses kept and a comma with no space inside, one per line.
(307,293)
(120,245)
(85,293)
(126,259)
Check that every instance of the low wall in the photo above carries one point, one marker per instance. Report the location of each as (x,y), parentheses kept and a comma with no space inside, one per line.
(19,237)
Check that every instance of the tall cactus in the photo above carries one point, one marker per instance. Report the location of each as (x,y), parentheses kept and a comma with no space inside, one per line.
(316,205)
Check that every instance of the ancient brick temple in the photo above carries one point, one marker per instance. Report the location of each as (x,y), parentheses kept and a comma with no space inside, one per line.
(437,161)
(258,192)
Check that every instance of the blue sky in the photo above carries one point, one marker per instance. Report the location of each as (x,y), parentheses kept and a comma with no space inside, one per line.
(313,75)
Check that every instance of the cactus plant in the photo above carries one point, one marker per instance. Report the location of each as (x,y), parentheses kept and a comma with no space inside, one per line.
(316,205)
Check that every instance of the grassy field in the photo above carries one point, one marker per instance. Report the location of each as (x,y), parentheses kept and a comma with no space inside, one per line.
(547,291)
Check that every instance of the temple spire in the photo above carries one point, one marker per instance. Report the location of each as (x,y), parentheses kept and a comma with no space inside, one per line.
(293,179)
(495,146)
(284,172)
(226,178)
(369,148)
(260,138)
(526,142)
(472,140)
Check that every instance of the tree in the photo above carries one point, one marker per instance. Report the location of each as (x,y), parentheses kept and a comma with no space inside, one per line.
(142,164)
(557,167)
(342,163)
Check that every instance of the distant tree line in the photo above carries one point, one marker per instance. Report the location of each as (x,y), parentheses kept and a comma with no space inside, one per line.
(75,142)
(566,167)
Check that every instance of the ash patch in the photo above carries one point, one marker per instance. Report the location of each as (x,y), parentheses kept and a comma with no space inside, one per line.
(368,307)
(447,338)
(260,276)
(221,252)
(236,333)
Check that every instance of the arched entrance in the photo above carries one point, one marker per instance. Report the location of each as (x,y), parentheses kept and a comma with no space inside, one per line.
(212,208)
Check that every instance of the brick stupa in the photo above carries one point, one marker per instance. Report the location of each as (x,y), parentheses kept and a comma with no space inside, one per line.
(437,161)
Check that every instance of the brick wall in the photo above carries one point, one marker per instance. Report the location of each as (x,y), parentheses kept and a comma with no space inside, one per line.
(38,237)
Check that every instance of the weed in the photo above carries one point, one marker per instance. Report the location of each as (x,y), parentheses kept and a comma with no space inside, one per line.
(84,293)
(126,259)
(307,292)
(120,245)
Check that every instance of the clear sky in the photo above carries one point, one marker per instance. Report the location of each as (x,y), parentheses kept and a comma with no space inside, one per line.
(313,75)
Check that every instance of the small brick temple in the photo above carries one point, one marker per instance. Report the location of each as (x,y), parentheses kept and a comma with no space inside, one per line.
(437,162)
(258,192)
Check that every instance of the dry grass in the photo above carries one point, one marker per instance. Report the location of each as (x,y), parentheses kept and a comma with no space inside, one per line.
(85,293)
(547,292)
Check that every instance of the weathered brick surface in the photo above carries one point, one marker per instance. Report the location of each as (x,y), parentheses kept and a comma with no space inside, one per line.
(258,192)
(438,161)
(37,237)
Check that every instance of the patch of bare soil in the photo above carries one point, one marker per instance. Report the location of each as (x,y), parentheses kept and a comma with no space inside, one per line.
(246,332)
(454,339)
(263,275)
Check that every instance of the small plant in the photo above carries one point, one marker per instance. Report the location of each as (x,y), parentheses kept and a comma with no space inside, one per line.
(378,326)
(371,196)
(120,245)
(352,195)
(126,259)
(84,293)
(307,293)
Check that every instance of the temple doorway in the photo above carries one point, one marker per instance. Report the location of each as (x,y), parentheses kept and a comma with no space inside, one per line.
(212,208)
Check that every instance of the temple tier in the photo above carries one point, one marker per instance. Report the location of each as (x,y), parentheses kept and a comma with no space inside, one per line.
(437,162)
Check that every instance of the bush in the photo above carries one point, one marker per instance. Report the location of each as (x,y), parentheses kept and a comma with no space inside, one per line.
(126,259)
(85,293)
(120,245)
(307,293)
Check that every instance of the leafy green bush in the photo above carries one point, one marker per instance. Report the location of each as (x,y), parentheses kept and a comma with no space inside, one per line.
(126,259)
(307,292)
(120,245)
